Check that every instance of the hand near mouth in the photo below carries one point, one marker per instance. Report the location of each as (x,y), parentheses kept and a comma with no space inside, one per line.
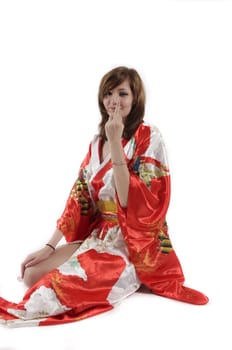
(114,126)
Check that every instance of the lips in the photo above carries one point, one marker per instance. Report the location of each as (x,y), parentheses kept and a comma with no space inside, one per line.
(112,109)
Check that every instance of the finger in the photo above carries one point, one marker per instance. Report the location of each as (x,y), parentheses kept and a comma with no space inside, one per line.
(32,262)
(117,106)
(117,109)
(22,271)
(23,268)
(26,261)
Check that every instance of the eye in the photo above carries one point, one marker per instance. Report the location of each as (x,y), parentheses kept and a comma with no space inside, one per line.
(123,94)
(107,93)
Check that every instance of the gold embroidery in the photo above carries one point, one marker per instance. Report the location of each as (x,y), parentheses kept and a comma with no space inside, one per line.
(108,210)
(107,206)
(56,282)
(81,194)
(147,173)
(144,261)
(165,243)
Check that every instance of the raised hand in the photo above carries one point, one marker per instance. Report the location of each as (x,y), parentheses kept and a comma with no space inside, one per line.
(114,126)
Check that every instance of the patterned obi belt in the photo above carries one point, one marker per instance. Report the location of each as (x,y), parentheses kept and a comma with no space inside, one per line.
(108,210)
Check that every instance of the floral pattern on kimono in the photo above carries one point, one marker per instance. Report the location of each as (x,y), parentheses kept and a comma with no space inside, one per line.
(120,247)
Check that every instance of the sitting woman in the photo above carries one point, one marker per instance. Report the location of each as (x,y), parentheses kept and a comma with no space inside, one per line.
(114,222)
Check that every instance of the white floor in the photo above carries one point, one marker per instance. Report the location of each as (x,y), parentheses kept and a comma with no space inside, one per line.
(143,321)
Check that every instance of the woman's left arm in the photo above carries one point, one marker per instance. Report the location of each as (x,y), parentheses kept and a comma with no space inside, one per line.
(114,129)
(120,171)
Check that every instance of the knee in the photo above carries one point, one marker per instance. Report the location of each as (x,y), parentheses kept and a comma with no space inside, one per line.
(30,276)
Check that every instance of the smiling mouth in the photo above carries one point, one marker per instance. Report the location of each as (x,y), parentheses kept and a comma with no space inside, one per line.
(112,109)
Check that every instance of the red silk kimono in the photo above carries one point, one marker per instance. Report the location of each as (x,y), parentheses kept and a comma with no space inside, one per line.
(121,248)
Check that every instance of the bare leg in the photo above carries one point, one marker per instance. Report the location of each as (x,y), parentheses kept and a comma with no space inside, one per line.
(61,254)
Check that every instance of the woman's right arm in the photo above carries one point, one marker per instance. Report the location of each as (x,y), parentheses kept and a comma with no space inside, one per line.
(41,254)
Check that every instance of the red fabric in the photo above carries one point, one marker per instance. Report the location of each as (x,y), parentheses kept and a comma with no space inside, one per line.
(146,234)
(145,231)
(78,212)
(86,298)
(142,223)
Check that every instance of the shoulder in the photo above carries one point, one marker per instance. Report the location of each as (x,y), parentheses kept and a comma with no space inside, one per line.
(92,145)
(95,139)
(147,133)
(147,128)
(150,143)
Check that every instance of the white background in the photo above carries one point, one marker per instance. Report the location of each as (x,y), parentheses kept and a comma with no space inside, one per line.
(53,55)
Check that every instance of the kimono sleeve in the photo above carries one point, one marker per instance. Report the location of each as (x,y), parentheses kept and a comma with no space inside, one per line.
(149,189)
(78,212)
(143,222)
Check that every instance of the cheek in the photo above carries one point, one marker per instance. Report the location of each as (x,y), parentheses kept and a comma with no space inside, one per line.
(129,105)
(104,102)
(126,104)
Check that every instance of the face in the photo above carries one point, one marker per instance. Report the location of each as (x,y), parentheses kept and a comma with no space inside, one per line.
(121,94)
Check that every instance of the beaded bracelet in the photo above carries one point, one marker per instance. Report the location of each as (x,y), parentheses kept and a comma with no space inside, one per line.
(119,163)
(51,246)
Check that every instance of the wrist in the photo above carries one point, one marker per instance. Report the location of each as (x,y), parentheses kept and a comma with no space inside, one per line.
(50,246)
(115,142)
(119,163)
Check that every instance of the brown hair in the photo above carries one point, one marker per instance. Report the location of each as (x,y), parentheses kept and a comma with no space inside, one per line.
(109,81)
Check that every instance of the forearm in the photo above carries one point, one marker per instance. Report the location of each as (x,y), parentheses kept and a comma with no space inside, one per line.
(120,171)
(55,238)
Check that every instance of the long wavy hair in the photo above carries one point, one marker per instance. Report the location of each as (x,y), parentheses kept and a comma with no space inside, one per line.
(111,80)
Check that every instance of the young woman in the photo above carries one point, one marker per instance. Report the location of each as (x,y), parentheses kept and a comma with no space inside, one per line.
(113,222)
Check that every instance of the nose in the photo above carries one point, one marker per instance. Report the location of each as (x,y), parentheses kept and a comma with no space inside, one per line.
(113,100)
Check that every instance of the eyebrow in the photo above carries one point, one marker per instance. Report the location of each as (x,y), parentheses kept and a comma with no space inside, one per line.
(120,89)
